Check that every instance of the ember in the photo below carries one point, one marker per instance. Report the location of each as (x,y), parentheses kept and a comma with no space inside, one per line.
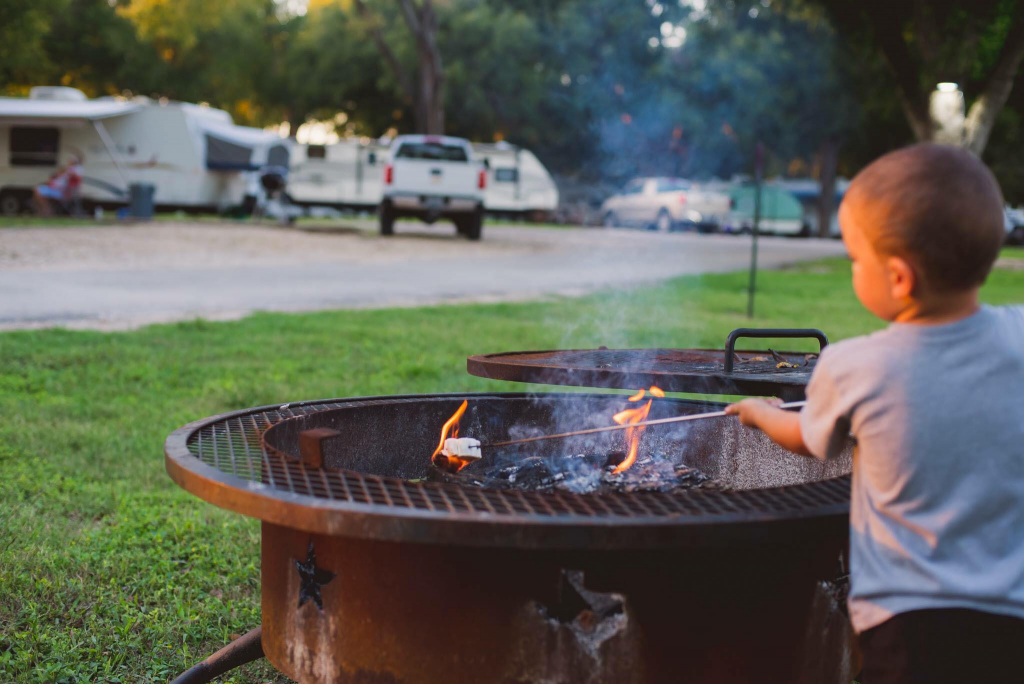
(584,474)
(586,468)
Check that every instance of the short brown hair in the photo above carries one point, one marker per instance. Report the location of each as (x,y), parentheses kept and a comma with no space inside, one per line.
(937,206)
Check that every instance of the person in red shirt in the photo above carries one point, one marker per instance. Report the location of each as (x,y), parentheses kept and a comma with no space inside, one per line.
(61,186)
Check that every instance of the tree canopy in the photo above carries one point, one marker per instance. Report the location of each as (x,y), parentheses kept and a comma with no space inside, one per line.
(600,89)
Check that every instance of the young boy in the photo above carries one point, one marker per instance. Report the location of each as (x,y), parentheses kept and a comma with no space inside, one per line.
(935,403)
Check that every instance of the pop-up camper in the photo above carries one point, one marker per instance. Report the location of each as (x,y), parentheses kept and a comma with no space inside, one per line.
(194,156)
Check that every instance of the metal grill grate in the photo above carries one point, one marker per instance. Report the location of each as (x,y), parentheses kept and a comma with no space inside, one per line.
(675,370)
(233,446)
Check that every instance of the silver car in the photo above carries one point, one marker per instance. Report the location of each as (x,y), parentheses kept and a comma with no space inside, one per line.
(666,203)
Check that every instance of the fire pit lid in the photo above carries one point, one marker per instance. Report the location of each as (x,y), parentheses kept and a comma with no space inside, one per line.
(703,371)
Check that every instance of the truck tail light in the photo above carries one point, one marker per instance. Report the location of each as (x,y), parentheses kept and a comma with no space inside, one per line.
(682,198)
(482,183)
(389,174)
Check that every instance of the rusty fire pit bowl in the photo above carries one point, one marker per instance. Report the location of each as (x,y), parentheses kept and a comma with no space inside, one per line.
(371,572)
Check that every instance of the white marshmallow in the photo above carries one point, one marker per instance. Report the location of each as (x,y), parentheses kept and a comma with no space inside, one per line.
(465,448)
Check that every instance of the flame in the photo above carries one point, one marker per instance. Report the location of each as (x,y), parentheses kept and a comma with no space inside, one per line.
(450,463)
(630,417)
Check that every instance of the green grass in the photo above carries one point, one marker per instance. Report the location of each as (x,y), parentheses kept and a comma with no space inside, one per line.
(109,572)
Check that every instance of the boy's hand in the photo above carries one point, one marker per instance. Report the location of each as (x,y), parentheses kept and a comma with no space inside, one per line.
(782,426)
(750,410)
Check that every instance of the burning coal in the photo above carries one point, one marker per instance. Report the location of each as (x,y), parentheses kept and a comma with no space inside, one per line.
(453,453)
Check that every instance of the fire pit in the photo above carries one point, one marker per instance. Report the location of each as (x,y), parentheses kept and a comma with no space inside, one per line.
(376,570)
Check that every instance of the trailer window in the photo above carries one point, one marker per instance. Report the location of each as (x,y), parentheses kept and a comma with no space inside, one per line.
(316,152)
(506,175)
(31,146)
(432,151)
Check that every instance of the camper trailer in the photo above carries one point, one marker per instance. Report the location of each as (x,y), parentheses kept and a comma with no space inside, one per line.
(349,175)
(518,185)
(345,175)
(194,156)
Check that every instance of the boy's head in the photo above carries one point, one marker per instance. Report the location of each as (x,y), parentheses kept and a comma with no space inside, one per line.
(921,223)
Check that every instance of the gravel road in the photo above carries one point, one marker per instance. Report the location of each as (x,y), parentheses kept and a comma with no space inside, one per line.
(120,277)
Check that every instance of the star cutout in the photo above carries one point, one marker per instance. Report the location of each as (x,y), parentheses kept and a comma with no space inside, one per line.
(312,578)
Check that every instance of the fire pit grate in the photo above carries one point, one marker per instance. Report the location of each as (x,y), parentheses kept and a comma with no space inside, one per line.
(226,452)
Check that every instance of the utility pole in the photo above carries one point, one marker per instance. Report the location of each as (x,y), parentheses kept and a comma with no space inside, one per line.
(758,163)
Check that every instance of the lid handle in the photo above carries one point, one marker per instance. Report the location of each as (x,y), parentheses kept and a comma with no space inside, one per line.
(730,342)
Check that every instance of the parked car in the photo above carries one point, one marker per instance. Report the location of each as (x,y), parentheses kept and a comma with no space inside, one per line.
(666,203)
(781,211)
(432,178)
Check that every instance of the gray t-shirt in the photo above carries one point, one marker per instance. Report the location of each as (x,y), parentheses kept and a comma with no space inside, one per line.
(937,504)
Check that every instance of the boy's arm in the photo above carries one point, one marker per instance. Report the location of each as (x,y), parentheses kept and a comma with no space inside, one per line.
(781,426)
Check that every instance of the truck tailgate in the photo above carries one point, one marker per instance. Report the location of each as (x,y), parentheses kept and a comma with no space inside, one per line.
(425,177)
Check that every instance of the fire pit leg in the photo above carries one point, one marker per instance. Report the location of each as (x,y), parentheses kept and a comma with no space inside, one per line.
(243,650)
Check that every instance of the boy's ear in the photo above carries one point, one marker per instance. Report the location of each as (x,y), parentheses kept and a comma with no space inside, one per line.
(903,279)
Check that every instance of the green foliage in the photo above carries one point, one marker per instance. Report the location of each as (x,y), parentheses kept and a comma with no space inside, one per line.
(109,572)
(23,27)
(590,85)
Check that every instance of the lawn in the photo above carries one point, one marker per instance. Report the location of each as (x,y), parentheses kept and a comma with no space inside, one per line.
(109,572)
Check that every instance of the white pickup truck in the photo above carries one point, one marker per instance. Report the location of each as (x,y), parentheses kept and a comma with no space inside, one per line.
(430,178)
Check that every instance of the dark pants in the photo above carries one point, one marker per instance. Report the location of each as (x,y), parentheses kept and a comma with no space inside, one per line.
(938,646)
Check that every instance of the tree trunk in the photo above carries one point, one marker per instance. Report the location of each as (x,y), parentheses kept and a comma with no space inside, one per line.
(889,34)
(828,161)
(983,113)
(429,106)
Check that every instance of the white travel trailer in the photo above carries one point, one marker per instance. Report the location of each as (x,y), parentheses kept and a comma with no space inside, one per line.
(344,175)
(349,175)
(194,156)
(517,182)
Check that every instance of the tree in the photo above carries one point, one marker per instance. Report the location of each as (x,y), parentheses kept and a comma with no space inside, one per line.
(425,90)
(979,44)
(23,28)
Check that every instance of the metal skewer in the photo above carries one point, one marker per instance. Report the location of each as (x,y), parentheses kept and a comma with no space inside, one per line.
(610,428)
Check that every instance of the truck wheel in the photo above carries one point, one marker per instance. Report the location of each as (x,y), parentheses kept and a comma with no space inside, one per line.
(610,220)
(387,218)
(11,203)
(473,225)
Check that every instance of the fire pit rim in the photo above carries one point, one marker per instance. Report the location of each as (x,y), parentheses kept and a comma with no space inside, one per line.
(562,531)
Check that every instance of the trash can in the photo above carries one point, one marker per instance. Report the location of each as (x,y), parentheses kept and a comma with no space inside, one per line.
(140,200)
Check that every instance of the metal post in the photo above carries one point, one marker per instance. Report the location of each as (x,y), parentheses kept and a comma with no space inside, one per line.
(359,168)
(758,158)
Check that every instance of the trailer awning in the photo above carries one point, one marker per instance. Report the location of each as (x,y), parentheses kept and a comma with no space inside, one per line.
(29,111)
(236,148)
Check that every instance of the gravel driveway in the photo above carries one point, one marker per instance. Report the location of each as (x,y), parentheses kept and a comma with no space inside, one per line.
(116,277)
